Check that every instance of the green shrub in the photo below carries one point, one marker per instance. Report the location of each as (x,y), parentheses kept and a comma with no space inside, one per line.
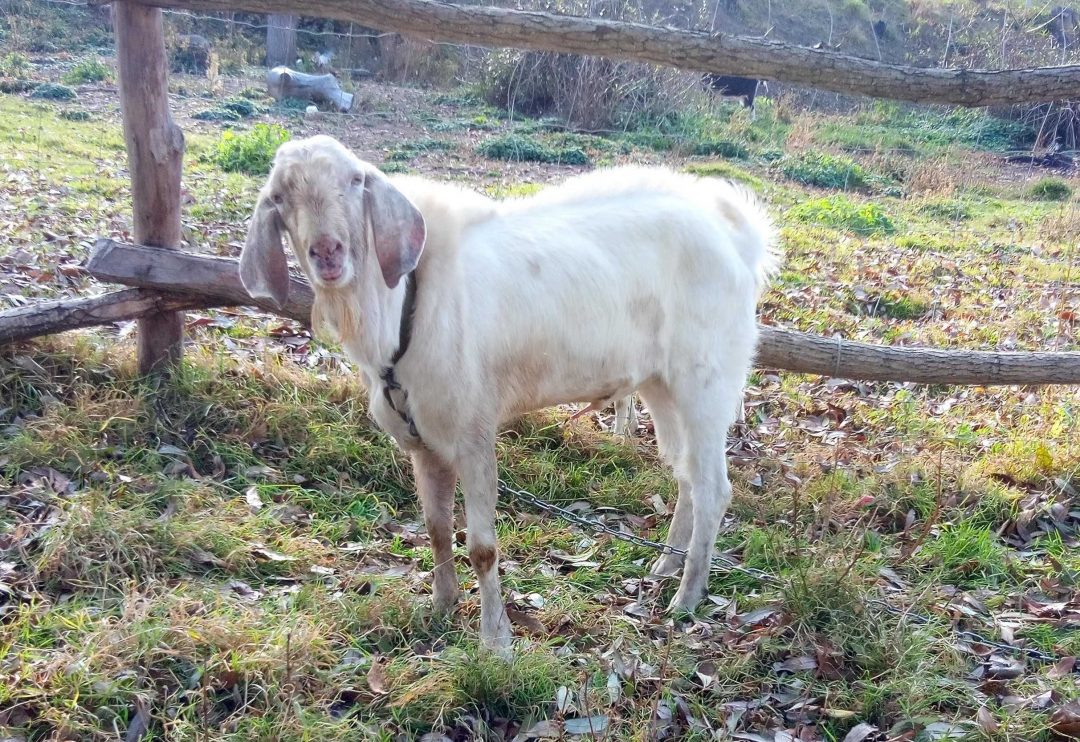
(52,91)
(75,115)
(242,107)
(720,148)
(408,150)
(87,71)
(14,65)
(216,114)
(233,109)
(841,213)
(1050,189)
(516,148)
(252,94)
(824,171)
(726,170)
(17,86)
(250,152)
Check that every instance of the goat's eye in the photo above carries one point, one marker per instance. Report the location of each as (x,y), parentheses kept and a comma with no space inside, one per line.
(278,199)
(358,181)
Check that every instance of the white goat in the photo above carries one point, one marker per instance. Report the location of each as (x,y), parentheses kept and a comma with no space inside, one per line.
(620,280)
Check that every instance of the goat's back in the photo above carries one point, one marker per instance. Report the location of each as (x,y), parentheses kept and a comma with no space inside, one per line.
(587,289)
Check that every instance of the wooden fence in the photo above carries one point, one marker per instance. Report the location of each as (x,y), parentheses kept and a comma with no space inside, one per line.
(170,282)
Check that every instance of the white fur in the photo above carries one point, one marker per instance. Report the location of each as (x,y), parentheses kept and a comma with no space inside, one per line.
(619,280)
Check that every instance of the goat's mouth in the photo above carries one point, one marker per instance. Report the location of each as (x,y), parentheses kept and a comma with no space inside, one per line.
(330,274)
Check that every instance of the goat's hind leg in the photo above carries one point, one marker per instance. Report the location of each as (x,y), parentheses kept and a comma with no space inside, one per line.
(669,438)
(625,416)
(706,423)
(435,482)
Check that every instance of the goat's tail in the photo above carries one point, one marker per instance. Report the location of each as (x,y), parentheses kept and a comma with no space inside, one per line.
(756,237)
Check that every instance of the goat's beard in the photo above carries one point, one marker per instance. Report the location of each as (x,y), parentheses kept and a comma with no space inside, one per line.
(335,314)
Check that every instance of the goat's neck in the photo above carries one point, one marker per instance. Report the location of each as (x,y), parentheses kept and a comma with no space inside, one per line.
(367,317)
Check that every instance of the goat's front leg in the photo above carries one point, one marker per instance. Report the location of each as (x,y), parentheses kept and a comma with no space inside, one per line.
(479,480)
(435,482)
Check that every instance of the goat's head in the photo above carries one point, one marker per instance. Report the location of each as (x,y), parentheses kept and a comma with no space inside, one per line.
(337,211)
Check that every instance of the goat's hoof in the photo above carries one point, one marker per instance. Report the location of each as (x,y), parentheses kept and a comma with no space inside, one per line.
(445,603)
(501,645)
(683,602)
(666,566)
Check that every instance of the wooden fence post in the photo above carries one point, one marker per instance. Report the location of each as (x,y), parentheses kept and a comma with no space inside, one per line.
(155,148)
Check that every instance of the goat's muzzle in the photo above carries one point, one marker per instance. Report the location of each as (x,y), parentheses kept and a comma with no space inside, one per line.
(327,256)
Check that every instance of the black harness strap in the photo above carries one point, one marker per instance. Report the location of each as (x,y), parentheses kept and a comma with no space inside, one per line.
(408,309)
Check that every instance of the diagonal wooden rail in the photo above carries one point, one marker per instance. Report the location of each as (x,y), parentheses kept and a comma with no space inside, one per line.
(690,50)
(174,280)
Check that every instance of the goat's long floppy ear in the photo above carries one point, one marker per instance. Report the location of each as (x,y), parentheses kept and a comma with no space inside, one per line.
(397,227)
(263,269)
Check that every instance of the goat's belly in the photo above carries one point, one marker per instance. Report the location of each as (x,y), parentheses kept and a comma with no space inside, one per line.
(529,394)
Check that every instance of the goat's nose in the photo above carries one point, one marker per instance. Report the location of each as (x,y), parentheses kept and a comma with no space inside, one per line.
(326,247)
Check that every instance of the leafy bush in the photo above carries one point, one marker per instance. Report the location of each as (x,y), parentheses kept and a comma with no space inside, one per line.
(842,213)
(720,148)
(233,109)
(516,148)
(824,171)
(75,115)
(408,150)
(12,87)
(52,91)
(250,152)
(87,71)
(14,65)
(725,170)
(216,114)
(947,209)
(1051,189)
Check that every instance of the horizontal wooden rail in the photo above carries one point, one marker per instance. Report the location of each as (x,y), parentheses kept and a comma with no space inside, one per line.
(690,50)
(188,281)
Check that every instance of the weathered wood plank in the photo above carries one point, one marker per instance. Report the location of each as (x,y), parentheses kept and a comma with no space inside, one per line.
(491,26)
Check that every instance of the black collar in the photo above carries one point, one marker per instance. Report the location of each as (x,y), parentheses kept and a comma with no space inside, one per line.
(408,310)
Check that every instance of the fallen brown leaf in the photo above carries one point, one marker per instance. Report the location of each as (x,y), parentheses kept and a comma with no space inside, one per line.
(986,720)
(527,621)
(1061,668)
(376,677)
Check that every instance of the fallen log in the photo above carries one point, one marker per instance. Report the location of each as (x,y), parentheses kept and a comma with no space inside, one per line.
(180,272)
(282,82)
(204,281)
(51,317)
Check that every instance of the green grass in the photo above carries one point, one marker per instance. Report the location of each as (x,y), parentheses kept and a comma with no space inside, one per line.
(968,556)
(238,546)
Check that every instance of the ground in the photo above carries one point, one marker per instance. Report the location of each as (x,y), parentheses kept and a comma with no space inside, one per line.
(236,553)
